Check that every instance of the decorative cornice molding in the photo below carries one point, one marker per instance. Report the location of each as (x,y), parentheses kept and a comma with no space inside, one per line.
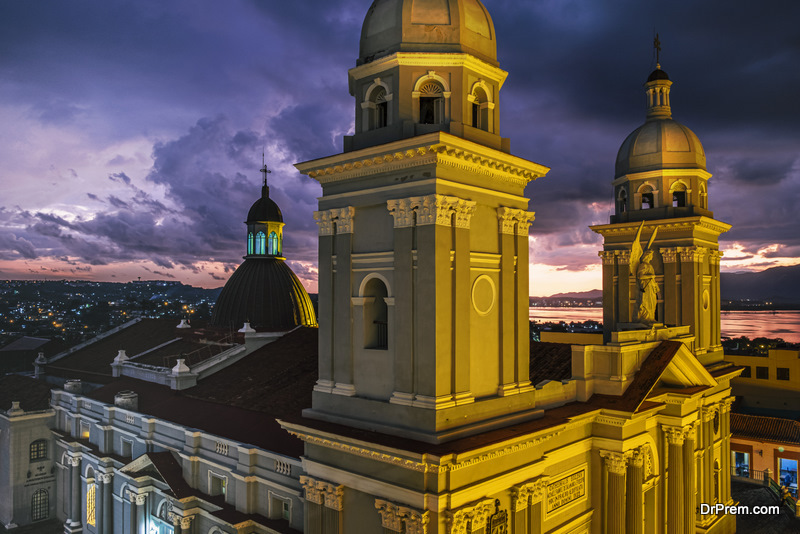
(443,149)
(665,226)
(429,59)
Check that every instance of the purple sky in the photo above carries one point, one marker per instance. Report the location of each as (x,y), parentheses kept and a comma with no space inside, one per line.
(131,132)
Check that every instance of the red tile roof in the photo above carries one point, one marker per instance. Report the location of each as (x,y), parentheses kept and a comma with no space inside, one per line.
(762,428)
(550,361)
(32,394)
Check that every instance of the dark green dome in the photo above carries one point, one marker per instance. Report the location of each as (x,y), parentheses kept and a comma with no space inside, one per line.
(267,294)
(657,74)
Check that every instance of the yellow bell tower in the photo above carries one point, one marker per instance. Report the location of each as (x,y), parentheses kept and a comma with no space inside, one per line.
(660,186)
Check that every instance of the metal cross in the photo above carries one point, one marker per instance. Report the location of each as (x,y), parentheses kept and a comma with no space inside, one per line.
(657,46)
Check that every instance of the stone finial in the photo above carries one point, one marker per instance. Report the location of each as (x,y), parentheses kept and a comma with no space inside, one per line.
(183,324)
(121,357)
(15,409)
(181,367)
(246,329)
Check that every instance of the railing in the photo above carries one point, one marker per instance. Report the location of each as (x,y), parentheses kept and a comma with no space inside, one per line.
(382,330)
(744,473)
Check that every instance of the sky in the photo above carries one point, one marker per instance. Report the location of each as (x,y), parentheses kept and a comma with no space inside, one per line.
(132,132)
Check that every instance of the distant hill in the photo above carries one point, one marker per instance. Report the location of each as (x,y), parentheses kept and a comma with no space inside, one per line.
(592,294)
(777,284)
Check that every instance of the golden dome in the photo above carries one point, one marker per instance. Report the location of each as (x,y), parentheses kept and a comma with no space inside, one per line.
(427,26)
(660,144)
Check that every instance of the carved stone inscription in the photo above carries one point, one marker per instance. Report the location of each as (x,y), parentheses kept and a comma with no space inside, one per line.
(566,490)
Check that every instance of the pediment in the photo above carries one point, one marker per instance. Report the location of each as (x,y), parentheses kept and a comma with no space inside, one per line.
(684,371)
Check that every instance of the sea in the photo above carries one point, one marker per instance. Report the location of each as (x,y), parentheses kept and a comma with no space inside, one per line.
(783,324)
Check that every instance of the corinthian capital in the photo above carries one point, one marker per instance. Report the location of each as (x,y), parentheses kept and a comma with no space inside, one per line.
(675,435)
(343,218)
(434,209)
(463,210)
(324,222)
(514,221)
(615,462)
(403,212)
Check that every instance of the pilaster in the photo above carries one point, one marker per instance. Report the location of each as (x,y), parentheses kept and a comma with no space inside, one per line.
(675,437)
(615,467)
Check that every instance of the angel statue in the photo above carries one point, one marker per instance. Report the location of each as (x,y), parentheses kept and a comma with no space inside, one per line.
(645,278)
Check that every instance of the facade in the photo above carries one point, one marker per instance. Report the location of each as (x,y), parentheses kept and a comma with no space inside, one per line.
(769,382)
(768,446)
(423,225)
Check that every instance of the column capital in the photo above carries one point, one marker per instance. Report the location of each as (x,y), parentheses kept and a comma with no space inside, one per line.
(725,404)
(692,254)
(74,461)
(615,462)
(402,211)
(477,515)
(669,254)
(343,218)
(463,211)
(313,494)
(333,497)
(708,412)
(623,256)
(106,477)
(675,435)
(416,522)
(434,209)
(174,518)
(141,498)
(514,221)
(390,519)
(715,256)
(186,522)
(636,457)
(533,491)
(324,222)
(607,256)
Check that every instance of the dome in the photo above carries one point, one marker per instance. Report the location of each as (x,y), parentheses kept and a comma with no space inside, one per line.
(427,26)
(660,144)
(267,294)
(264,209)
(657,74)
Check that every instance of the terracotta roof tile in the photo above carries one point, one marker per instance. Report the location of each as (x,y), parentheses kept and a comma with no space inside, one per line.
(762,428)
(32,394)
(550,361)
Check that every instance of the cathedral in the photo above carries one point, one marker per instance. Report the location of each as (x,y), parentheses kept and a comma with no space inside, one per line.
(419,404)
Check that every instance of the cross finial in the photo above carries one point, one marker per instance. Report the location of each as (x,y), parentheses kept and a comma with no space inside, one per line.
(657,47)
(264,170)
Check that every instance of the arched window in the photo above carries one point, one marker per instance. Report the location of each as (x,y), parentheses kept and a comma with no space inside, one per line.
(261,243)
(431,103)
(622,201)
(703,197)
(274,245)
(40,505)
(38,450)
(376,315)
(480,109)
(90,494)
(381,116)
(678,195)
(647,198)
(250,242)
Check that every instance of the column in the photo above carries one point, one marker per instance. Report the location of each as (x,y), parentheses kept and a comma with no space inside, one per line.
(462,308)
(689,500)
(99,499)
(614,464)
(342,291)
(325,304)
(725,432)
(634,498)
(526,507)
(176,523)
(689,297)
(522,302)
(332,512)
(141,520)
(131,512)
(108,509)
(624,283)
(669,256)
(675,486)
(403,323)
(433,308)
(74,521)
(610,291)
(313,515)
(508,327)
(186,524)
(716,304)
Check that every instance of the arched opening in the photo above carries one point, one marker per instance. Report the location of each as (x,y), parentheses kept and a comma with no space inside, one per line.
(250,242)
(381,113)
(703,197)
(678,195)
(376,315)
(274,244)
(431,103)
(261,243)
(480,109)
(622,201)
(91,490)
(647,200)
(40,505)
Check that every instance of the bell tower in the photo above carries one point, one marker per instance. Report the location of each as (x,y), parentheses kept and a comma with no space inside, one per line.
(660,185)
(423,235)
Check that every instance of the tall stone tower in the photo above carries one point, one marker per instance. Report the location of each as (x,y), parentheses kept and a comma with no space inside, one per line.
(661,179)
(423,235)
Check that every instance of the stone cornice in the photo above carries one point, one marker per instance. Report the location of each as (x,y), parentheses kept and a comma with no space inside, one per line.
(432,60)
(658,173)
(665,226)
(438,148)
(426,464)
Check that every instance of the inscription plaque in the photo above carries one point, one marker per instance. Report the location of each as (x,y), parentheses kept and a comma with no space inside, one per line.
(566,490)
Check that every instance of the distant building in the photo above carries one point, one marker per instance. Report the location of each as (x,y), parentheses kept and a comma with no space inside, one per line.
(768,385)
